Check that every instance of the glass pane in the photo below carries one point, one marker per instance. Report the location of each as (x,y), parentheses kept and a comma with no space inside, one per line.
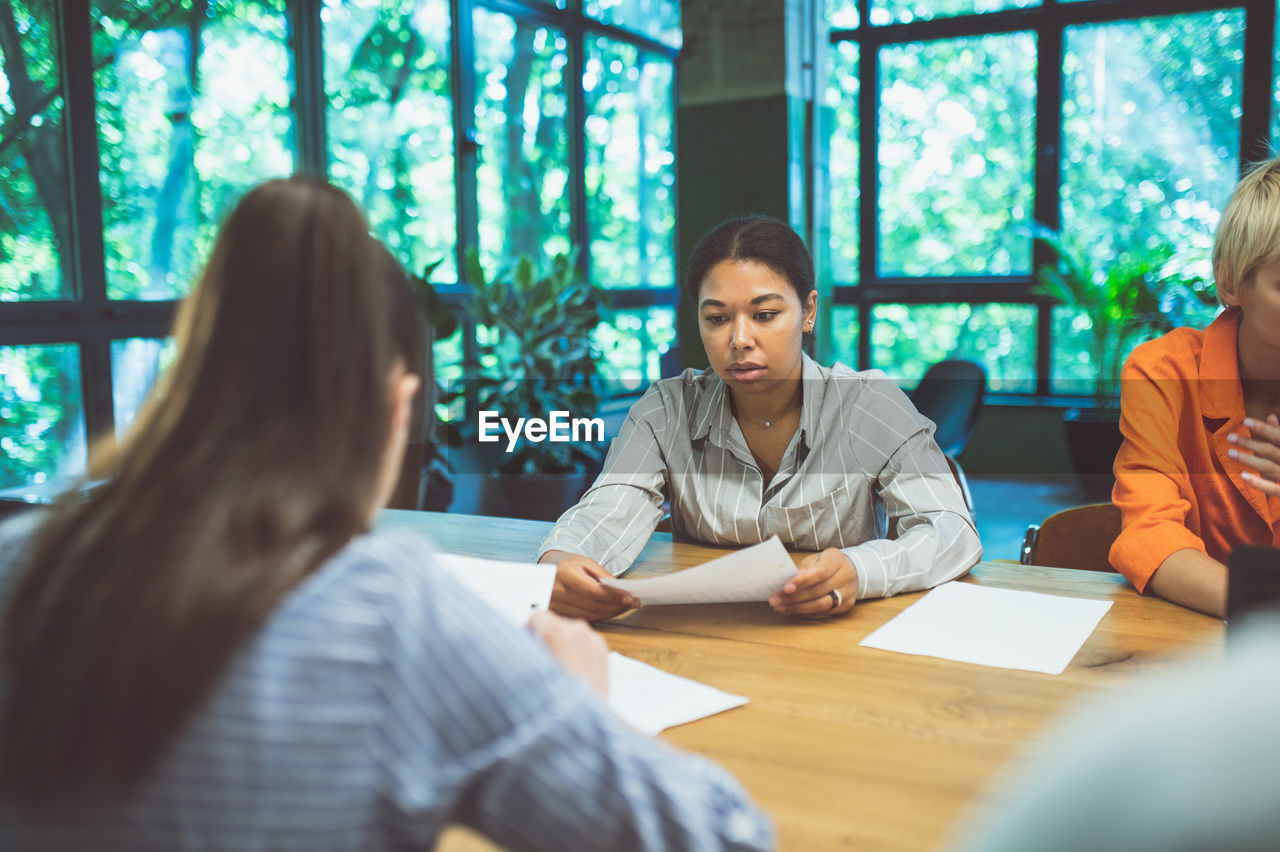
(136,363)
(633,343)
(193,109)
(35,211)
(907,339)
(905,11)
(41,414)
(523,170)
(390,123)
(842,151)
(957,146)
(1151,131)
(1073,370)
(844,335)
(658,19)
(630,174)
(842,14)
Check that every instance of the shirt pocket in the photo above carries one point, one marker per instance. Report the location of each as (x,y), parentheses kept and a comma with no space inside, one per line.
(842,516)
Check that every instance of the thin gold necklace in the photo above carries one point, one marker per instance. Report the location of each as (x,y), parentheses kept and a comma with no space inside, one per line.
(763,423)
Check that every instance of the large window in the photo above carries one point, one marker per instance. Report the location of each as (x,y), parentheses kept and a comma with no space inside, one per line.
(956,129)
(192,109)
(513,126)
(390,123)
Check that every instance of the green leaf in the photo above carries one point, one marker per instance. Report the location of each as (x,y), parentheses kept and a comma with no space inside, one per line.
(1122,299)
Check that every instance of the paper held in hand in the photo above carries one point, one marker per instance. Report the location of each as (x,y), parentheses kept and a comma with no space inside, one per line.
(647,698)
(751,574)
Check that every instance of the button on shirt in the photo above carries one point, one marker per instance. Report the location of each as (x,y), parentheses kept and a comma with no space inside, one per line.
(382,700)
(862,457)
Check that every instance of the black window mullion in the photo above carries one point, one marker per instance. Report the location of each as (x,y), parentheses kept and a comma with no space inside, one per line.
(462,81)
(86,257)
(1026,18)
(309,100)
(1049,21)
(1256,90)
(96,386)
(462,76)
(868,189)
(579,232)
(1047,202)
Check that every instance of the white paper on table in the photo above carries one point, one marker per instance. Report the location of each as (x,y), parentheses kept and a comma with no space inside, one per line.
(514,589)
(651,700)
(993,627)
(751,574)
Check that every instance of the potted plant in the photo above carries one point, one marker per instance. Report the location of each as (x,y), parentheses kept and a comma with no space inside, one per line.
(1138,296)
(536,357)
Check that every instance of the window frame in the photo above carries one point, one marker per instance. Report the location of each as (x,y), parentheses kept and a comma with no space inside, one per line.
(1048,22)
(92,321)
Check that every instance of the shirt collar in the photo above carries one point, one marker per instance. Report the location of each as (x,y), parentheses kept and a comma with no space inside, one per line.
(712,406)
(813,382)
(714,414)
(1221,394)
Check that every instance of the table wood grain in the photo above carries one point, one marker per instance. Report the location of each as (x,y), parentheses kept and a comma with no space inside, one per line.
(852,747)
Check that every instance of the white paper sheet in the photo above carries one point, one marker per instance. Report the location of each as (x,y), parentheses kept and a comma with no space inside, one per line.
(751,574)
(651,700)
(993,627)
(515,589)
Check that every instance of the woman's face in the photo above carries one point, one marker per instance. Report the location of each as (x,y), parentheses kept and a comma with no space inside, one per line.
(1260,310)
(751,322)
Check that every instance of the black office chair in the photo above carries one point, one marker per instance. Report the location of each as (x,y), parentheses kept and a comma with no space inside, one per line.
(951,394)
(670,363)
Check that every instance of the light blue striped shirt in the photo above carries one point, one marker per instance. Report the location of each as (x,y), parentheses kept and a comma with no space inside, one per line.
(381,701)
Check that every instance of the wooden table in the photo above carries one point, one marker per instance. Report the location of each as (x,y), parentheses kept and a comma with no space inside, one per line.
(848,746)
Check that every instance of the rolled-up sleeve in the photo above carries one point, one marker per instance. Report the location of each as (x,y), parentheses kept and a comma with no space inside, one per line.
(614,519)
(1151,474)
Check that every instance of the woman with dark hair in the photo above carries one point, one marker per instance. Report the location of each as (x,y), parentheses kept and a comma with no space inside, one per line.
(767,442)
(213,651)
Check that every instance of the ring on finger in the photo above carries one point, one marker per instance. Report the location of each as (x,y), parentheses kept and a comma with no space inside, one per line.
(836,600)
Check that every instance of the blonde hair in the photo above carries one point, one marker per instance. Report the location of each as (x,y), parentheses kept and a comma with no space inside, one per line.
(1248,236)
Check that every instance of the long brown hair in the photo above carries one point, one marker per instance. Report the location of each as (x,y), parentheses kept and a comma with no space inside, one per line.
(255,460)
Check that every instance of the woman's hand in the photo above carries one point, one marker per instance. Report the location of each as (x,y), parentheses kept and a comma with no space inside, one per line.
(581,650)
(826,585)
(1263,453)
(578,592)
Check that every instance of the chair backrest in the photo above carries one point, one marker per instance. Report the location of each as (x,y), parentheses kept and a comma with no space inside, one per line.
(1079,537)
(958,473)
(951,394)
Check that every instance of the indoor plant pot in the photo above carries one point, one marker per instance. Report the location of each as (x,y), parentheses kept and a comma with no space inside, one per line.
(537,358)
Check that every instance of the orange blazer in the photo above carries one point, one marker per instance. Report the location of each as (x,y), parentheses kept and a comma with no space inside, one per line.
(1180,396)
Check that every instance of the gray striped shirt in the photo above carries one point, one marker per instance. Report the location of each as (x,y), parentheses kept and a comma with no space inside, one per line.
(862,457)
(382,700)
